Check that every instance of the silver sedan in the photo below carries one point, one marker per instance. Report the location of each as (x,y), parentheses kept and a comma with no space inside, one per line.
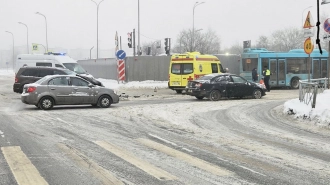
(67,90)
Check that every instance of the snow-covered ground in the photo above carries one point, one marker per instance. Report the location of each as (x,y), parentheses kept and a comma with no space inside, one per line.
(320,115)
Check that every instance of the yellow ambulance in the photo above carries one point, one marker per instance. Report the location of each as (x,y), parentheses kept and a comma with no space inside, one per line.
(190,66)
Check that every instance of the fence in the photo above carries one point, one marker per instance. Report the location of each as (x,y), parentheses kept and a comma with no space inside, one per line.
(141,68)
(309,90)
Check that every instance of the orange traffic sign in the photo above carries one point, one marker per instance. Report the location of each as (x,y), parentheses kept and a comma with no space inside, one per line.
(308,46)
(308,21)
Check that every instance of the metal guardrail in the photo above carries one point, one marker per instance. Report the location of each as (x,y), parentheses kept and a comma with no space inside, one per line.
(309,90)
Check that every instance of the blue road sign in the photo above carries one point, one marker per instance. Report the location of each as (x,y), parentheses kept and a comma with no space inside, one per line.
(326,25)
(121,54)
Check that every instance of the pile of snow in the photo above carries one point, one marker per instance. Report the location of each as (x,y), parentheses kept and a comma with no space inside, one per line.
(320,114)
(148,84)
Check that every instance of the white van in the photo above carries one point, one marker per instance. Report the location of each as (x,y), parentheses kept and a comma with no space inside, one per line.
(50,60)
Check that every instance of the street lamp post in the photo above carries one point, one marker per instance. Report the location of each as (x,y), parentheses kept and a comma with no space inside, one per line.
(139,27)
(90,53)
(328,62)
(46,29)
(193,31)
(13,48)
(27,36)
(97,27)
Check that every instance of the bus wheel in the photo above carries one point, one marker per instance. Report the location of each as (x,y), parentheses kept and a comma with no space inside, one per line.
(295,83)
(178,91)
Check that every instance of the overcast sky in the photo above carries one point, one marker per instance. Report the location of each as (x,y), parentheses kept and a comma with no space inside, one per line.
(72,23)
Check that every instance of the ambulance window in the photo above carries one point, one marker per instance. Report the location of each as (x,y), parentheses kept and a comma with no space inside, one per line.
(214,68)
(176,68)
(221,69)
(187,68)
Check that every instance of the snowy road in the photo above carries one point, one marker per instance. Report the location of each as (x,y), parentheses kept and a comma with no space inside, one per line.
(161,138)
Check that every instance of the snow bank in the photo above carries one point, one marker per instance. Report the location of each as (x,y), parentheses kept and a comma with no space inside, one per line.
(320,114)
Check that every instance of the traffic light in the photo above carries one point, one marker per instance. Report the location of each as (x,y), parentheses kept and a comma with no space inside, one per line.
(129,35)
(246,44)
(166,44)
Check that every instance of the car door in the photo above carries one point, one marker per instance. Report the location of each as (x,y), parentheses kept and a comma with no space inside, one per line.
(82,93)
(59,88)
(221,83)
(241,87)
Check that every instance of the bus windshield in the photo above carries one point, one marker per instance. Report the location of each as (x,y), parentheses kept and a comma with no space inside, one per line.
(75,67)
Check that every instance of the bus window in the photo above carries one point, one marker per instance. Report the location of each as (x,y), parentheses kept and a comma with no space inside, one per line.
(249,63)
(264,62)
(296,65)
(316,68)
(324,69)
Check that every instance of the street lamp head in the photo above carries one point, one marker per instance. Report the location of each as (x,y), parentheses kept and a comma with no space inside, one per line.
(325,2)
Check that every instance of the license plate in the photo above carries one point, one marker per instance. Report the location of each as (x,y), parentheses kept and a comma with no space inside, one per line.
(189,90)
(175,83)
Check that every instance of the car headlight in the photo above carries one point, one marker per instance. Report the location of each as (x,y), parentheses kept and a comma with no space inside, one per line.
(262,86)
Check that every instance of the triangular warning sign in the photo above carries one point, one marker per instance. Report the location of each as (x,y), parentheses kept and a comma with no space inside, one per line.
(308,21)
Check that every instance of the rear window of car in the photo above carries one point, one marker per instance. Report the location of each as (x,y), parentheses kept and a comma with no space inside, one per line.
(30,72)
(68,72)
(41,80)
(206,77)
(60,81)
(45,72)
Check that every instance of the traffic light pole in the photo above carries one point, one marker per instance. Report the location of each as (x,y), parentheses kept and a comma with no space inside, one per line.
(134,42)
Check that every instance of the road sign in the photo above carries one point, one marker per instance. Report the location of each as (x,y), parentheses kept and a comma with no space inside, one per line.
(35,47)
(121,54)
(308,21)
(308,46)
(326,25)
(308,33)
(326,36)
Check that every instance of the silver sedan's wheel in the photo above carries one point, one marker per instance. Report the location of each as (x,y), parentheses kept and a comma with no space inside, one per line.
(215,95)
(46,103)
(105,102)
(257,94)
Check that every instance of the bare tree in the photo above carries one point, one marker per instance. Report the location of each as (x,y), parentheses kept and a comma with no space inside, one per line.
(208,42)
(262,42)
(234,49)
(154,50)
(287,39)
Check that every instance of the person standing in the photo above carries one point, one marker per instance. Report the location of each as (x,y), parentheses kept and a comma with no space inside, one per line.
(254,75)
(266,74)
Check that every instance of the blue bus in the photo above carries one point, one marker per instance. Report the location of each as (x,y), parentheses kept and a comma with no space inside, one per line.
(286,68)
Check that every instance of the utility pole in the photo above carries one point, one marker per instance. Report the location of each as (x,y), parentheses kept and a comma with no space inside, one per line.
(120,41)
(134,42)
(139,28)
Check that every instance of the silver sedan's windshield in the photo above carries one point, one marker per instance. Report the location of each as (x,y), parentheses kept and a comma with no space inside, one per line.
(75,67)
